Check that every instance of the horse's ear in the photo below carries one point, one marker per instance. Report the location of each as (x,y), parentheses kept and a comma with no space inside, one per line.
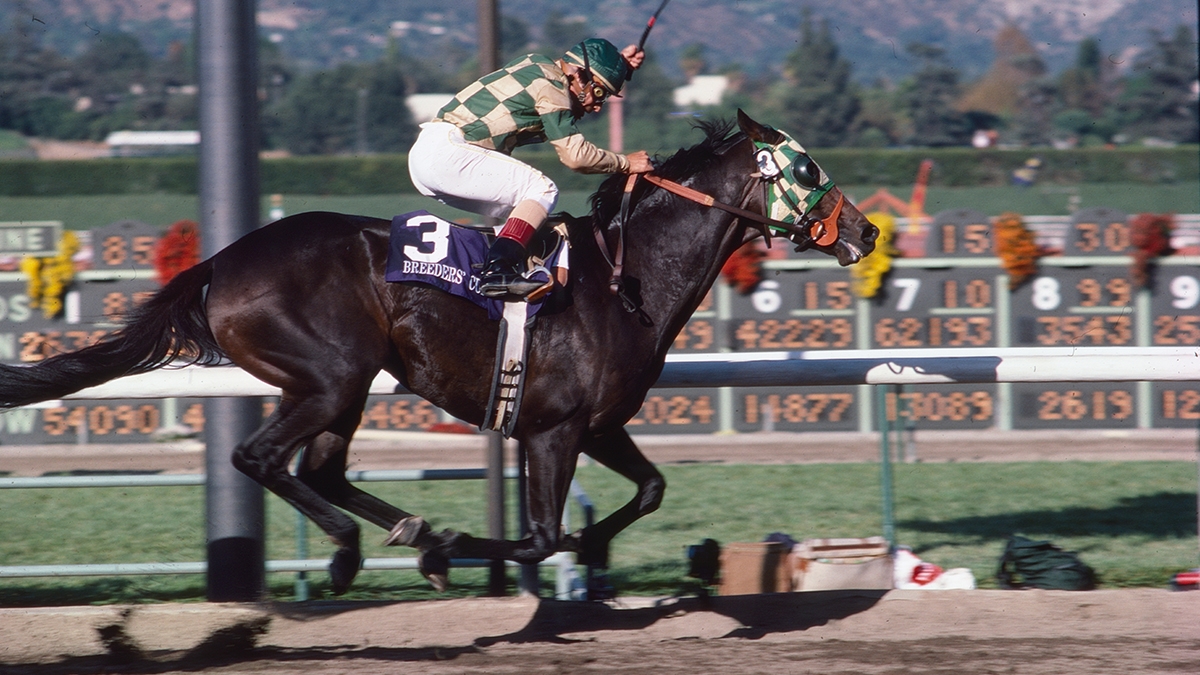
(758,132)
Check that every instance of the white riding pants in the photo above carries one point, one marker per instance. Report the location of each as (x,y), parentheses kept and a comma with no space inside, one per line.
(443,165)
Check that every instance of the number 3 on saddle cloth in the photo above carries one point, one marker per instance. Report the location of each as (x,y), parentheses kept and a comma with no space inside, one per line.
(428,250)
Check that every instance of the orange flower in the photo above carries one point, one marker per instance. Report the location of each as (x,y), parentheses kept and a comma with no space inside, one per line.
(1151,238)
(178,250)
(1017,249)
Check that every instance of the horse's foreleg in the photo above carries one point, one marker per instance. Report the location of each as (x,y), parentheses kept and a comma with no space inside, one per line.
(618,452)
(551,465)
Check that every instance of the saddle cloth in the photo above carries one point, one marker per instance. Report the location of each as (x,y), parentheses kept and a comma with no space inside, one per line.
(428,250)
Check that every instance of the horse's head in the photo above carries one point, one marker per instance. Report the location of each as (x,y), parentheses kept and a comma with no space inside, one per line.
(802,196)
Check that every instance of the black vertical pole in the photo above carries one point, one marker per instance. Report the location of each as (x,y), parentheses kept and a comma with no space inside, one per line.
(229,208)
(487,15)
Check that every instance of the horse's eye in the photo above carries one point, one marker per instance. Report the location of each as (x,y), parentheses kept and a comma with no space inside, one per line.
(806,173)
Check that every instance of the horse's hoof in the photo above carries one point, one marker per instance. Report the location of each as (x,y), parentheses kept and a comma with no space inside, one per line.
(436,568)
(571,543)
(343,568)
(406,531)
(593,551)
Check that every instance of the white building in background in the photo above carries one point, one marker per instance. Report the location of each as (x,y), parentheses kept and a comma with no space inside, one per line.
(135,143)
(424,106)
(702,90)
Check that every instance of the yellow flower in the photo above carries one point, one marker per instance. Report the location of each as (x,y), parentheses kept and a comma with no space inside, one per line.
(32,267)
(49,277)
(867,276)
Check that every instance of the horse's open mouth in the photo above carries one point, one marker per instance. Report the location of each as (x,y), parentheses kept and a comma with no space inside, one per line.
(848,253)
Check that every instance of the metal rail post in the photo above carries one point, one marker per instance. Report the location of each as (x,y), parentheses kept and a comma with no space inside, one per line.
(487,13)
(229,208)
(885,464)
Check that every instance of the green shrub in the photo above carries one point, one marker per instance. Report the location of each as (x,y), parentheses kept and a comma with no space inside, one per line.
(388,173)
(967,167)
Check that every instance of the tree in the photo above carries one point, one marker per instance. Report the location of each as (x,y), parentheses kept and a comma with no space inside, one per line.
(1083,105)
(1037,101)
(389,124)
(514,38)
(692,60)
(1159,100)
(929,101)
(817,98)
(1081,86)
(650,123)
(324,113)
(1016,63)
(878,123)
(1036,108)
(560,34)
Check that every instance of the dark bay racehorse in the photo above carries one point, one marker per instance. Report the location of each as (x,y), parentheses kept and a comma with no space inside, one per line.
(302,304)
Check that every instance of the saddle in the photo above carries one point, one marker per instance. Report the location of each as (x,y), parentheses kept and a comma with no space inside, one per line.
(428,250)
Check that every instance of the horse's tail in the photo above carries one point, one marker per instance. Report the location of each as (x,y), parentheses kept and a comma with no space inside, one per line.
(171,326)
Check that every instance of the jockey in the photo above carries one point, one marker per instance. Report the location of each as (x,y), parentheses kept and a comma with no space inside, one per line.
(462,158)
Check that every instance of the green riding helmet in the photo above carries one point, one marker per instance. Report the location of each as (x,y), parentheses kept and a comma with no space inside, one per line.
(608,67)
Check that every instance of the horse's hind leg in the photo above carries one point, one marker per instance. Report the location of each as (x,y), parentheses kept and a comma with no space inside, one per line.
(265,457)
(618,452)
(323,468)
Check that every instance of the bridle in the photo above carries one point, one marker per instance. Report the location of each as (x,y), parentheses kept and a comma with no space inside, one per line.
(805,232)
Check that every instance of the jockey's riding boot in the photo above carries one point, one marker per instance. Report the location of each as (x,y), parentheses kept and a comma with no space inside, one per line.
(503,272)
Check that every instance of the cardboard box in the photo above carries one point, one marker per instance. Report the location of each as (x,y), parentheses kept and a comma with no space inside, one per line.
(837,564)
(760,567)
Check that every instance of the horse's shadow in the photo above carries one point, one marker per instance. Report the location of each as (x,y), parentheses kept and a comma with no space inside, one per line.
(553,622)
(756,615)
(1162,515)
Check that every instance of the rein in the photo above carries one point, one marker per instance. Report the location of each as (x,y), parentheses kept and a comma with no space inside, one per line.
(821,231)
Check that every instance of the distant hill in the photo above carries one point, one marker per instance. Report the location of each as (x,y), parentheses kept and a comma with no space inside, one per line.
(872,34)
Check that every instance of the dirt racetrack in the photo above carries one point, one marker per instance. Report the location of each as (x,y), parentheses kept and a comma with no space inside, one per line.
(971,632)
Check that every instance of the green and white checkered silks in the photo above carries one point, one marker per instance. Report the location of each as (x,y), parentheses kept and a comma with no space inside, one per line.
(524,102)
(777,164)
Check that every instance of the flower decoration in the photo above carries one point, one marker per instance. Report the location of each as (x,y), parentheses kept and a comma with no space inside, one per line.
(49,277)
(867,276)
(743,270)
(1017,249)
(177,250)
(1151,237)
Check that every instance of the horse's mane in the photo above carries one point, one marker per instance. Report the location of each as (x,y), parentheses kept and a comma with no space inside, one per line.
(718,138)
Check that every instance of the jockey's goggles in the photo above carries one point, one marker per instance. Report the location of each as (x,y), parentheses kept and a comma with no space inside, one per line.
(588,80)
(599,93)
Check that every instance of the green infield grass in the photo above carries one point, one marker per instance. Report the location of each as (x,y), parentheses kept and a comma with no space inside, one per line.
(11,141)
(1134,522)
